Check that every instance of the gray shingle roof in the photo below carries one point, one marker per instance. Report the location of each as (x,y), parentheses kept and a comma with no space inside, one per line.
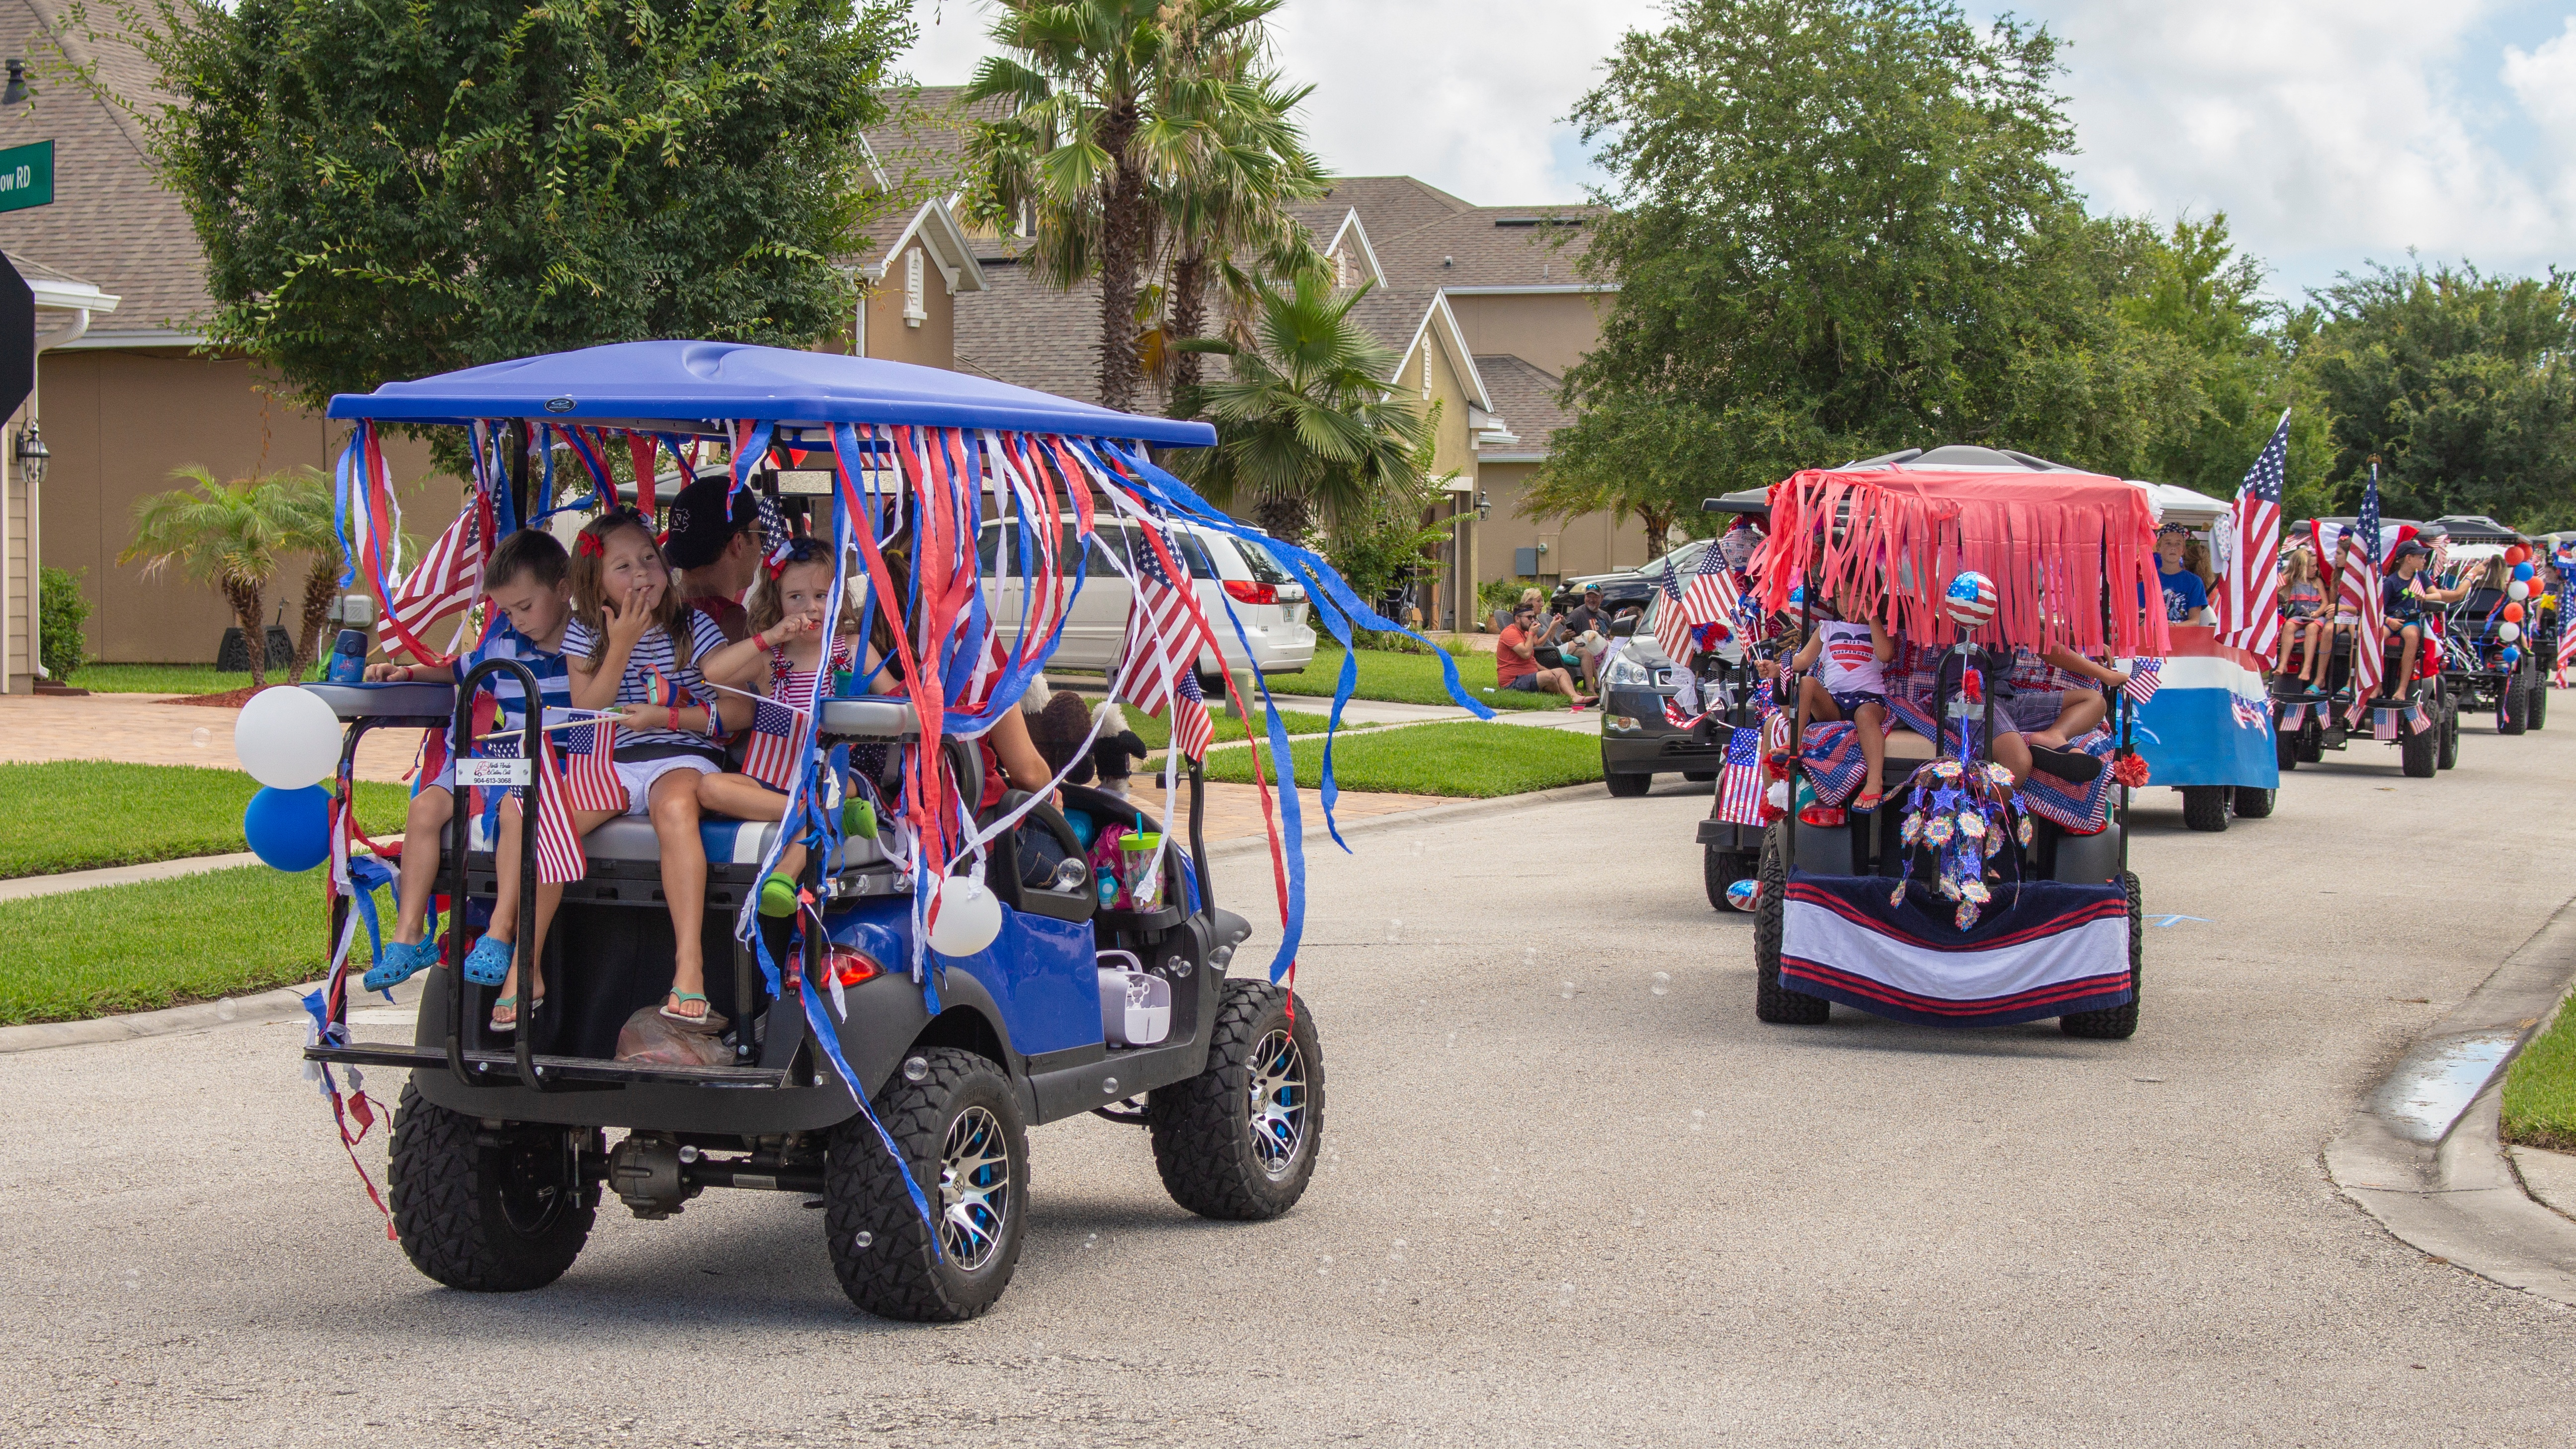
(111,222)
(1524,396)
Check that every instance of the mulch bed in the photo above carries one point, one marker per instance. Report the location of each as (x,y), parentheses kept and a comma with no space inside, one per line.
(229,699)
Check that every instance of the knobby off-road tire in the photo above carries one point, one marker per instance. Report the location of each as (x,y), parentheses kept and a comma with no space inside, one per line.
(2446,747)
(2253,803)
(2312,747)
(2513,713)
(1723,868)
(2117,1023)
(2204,807)
(955,1127)
(2417,751)
(1773,1002)
(2285,749)
(483,1210)
(2539,701)
(1627,787)
(1238,1142)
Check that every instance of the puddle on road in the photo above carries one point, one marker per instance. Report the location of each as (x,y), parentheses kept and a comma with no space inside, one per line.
(2437,1081)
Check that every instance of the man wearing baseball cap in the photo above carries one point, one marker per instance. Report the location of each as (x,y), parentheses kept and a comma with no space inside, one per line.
(715,551)
(2402,597)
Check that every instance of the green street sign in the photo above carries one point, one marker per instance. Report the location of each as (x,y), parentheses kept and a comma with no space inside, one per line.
(27,176)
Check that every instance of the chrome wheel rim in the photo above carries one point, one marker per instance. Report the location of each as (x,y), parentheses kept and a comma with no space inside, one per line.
(974,1189)
(1278,1103)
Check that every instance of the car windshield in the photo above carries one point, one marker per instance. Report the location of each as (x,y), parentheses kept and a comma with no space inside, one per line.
(1683,559)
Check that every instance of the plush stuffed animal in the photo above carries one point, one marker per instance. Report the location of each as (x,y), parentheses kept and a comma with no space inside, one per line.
(1059,723)
(1115,748)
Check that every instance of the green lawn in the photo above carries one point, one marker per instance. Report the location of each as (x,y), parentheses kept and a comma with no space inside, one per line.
(159,943)
(84,814)
(2540,1091)
(1407,679)
(1468,757)
(1156,733)
(169,678)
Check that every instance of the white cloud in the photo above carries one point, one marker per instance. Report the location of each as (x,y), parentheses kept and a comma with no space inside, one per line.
(2328,130)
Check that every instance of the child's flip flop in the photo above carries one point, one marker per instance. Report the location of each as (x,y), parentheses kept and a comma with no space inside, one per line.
(510,1004)
(708,1024)
(1867,803)
(2071,765)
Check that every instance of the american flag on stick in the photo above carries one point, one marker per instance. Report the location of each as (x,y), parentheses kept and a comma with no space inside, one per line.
(1161,663)
(1704,601)
(2361,584)
(772,754)
(2145,677)
(2249,613)
(448,577)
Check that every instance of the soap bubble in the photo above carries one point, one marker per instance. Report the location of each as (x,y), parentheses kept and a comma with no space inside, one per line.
(1663,982)
(201,737)
(1566,989)
(863,1240)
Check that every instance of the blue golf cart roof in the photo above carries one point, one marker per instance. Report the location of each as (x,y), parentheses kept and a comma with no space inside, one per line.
(694,387)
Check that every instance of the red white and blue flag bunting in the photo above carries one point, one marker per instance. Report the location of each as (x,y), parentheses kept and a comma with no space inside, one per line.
(2205,717)
(2042,949)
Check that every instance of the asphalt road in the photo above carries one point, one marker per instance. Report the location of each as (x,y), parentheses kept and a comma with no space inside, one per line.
(1573,1194)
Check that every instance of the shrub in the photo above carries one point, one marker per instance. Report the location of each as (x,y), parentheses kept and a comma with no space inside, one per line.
(62,608)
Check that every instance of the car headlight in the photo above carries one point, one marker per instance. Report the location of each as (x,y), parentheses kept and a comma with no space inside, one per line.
(1624,670)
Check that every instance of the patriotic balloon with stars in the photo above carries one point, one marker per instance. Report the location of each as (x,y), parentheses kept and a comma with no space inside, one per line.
(1970,599)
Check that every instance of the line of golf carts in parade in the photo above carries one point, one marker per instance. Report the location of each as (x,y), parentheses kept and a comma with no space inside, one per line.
(1976,871)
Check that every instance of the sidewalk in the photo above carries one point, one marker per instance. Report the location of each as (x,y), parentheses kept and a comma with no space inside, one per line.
(143,729)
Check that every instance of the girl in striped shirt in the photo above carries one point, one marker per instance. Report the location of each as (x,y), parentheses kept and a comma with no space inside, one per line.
(783,654)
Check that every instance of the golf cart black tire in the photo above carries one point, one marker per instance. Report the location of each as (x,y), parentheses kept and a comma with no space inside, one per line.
(2417,751)
(2446,750)
(2253,802)
(2539,702)
(447,1176)
(1202,1129)
(1627,787)
(2204,807)
(2312,746)
(2511,713)
(1699,777)
(1723,868)
(896,1275)
(2285,750)
(1773,1002)
(2117,1023)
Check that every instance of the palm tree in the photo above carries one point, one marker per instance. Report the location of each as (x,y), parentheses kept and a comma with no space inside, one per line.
(310,526)
(1115,103)
(230,533)
(1307,423)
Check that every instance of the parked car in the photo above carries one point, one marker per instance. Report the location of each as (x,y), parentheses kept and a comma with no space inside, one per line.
(1270,603)
(1637,742)
(1628,588)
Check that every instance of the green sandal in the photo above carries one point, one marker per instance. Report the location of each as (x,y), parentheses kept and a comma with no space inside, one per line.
(778,897)
(509,1003)
(709,1024)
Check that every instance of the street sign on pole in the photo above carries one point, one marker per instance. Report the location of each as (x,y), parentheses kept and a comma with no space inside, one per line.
(17,338)
(27,176)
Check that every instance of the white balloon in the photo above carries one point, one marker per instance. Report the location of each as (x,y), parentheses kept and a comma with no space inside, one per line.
(2517,591)
(965,917)
(287,738)
(2508,632)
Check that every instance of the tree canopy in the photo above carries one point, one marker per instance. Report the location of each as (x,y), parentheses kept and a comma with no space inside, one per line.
(388,191)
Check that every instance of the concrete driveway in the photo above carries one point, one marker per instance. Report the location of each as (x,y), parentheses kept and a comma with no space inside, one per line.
(1573,1194)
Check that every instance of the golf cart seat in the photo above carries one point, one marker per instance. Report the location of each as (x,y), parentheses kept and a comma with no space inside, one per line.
(736,844)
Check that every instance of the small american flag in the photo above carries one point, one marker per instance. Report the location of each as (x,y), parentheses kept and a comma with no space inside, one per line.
(1162,638)
(2249,614)
(591,781)
(775,537)
(1705,601)
(2144,680)
(448,577)
(772,754)
(2250,715)
(1686,609)
(1192,730)
(1740,782)
(2361,584)
(559,853)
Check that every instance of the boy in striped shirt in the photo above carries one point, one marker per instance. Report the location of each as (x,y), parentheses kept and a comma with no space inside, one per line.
(528,585)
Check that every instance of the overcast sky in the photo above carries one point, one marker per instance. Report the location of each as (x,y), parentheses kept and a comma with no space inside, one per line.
(2327,130)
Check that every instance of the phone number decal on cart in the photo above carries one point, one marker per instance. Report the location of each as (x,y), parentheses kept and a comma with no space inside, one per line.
(491,774)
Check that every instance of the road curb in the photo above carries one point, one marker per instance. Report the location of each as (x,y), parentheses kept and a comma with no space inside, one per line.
(284,1003)
(36,887)
(1425,815)
(2439,1179)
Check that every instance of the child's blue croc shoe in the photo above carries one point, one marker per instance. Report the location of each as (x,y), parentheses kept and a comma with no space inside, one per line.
(400,962)
(488,964)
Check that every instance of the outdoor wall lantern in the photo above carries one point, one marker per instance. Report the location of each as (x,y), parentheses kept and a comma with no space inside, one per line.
(32,455)
(17,90)
(1484,506)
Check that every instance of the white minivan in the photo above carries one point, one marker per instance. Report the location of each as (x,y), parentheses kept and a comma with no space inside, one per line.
(1224,570)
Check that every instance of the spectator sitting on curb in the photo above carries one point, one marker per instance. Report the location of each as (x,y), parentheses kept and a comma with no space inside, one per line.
(1516,665)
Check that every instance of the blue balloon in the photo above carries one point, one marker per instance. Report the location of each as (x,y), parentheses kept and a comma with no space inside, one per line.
(289,829)
(2522,571)
(2512,654)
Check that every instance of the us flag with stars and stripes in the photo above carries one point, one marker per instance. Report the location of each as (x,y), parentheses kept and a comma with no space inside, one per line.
(2361,579)
(771,754)
(2249,613)
(446,579)
(1162,649)
(1686,609)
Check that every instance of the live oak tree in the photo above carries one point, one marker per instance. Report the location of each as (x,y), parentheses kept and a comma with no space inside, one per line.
(386,191)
